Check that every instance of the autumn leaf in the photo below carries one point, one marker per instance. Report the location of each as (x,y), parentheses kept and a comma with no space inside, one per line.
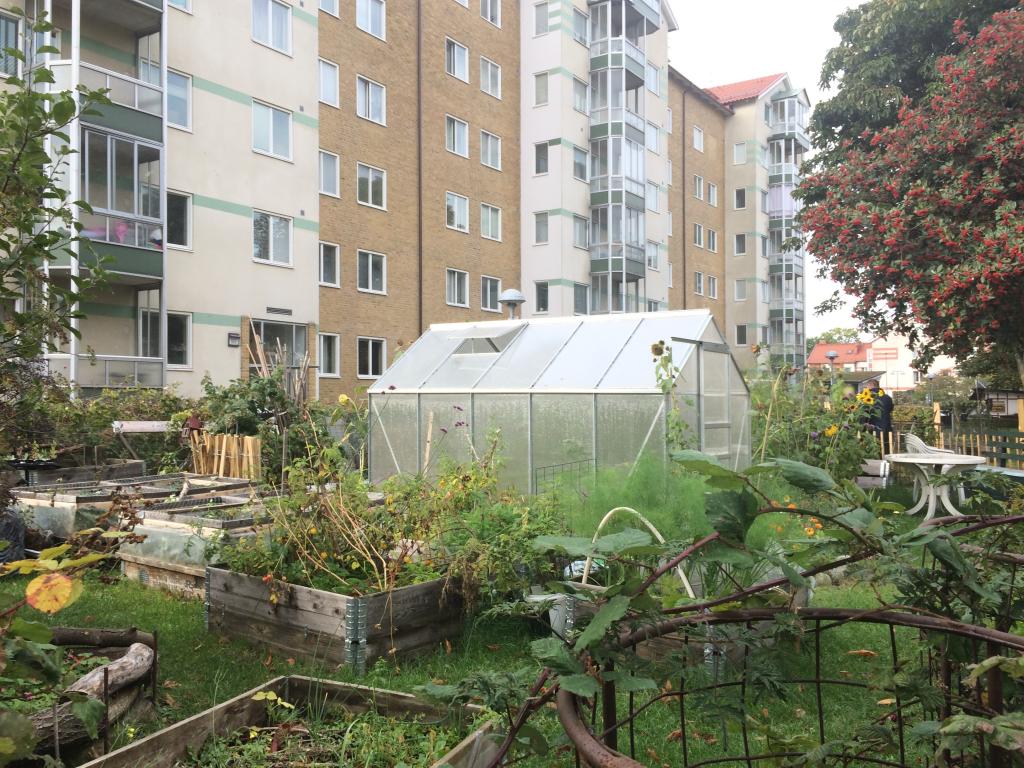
(862,652)
(51,592)
(886,702)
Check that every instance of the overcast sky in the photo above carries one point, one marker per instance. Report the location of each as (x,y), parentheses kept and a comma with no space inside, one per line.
(723,41)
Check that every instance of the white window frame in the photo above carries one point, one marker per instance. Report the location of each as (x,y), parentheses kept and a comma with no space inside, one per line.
(698,138)
(668,119)
(186,6)
(698,283)
(739,290)
(586,232)
(537,77)
(482,233)
(334,13)
(483,158)
(652,195)
(383,18)
(737,153)
(369,86)
(547,222)
(586,96)
(735,241)
(337,264)
(483,293)
(187,365)
(586,288)
(711,238)
(384,187)
(712,194)
(537,31)
(465,282)
(188,100)
(337,174)
(337,82)
(586,164)
(457,45)
(270,152)
(655,263)
(698,235)
(650,70)
(371,257)
(585,39)
(493,4)
(652,129)
(448,193)
(270,16)
(712,286)
(698,187)
(454,149)
(746,335)
(291,237)
(189,228)
(547,158)
(735,196)
(484,60)
(336,343)
(547,296)
(383,356)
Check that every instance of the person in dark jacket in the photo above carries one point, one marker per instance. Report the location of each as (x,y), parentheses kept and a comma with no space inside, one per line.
(881,413)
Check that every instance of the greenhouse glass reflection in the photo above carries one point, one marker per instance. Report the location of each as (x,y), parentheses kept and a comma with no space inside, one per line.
(563,395)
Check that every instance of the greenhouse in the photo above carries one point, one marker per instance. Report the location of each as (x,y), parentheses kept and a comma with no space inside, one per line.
(565,396)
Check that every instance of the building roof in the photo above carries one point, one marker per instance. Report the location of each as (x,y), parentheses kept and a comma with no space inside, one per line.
(701,93)
(745,89)
(848,353)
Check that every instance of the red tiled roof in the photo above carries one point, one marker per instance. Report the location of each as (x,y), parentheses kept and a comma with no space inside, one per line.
(848,353)
(747,89)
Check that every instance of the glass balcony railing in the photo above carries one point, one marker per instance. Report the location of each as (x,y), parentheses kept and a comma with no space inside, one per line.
(603,115)
(101,371)
(121,89)
(785,169)
(618,45)
(121,230)
(607,183)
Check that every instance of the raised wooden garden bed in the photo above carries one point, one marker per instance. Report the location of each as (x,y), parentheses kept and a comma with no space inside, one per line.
(326,626)
(165,748)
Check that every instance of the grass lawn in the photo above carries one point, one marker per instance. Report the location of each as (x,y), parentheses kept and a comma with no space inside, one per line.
(198,670)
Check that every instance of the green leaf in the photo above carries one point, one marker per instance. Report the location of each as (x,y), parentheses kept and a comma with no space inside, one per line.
(18,737)
(731,513)
(610,612)
(63,111)
(626,683)
(52,553)
(532,737)
(716,475)
(33,631)
(581,685)
(623,542)
(804,476)
(555,655)
(573,546)
(89,711)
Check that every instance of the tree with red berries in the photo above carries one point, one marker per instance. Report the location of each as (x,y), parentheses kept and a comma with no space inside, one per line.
(923,221)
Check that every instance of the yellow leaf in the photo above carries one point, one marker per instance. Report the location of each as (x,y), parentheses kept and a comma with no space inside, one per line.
(54,552)
(886,702)
(51,592)
(862,652)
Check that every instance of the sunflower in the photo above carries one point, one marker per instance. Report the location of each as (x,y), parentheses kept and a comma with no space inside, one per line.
(831,430)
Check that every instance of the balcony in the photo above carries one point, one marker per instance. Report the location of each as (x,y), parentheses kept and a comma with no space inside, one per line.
(784,173)
(791,127)
(103,371)
(121,89)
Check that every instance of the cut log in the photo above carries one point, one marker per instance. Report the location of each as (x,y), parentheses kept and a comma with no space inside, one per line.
(69,728)
(136,663)
(101,637)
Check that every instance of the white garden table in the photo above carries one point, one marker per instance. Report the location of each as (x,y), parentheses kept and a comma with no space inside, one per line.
(927,467)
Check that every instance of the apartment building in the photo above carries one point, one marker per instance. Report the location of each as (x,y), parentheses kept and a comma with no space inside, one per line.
(697,199)
(765,142)
(419,190)
(595,167)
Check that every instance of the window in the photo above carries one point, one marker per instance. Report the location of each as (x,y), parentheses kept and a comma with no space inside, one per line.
(698,283)
(457,212)
(712,287)
(739,247)
(668,119)
(652,305)
(540,158)
(370,17)
(179,220)
(328,83)
(540,89)
(712,194)
(371,272)
(329,6)
(580,299)
(490,290)
(652,196)
(764,245)
(668,171)
(490,10)
(764,201)
(541,296)
(490,221)
(739,292)
(579,95)
(698,235)
(579,163)
(651,137)
(653,75)
(580,229)
(185,5)
(179,99)
(271,131)
(9,39)
(540,228)
(463,3)
(698,139)
(369,357)
(580,22)
(698,187)
(490,78)
(741,335)
(764,334)
(371,186)
(766,293)
(328,354)
(179,340)
(371,100)
(272,24)
(739,199)
(652,254)
(271,238)
(739,153)
(712,239)
(291,336)
(330,184)
(456,136)
(456,291)
(540,19)
(329,271)
(456,59)
(490,150)
(121,177)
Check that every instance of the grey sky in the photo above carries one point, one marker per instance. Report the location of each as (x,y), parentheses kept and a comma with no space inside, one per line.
(723,41)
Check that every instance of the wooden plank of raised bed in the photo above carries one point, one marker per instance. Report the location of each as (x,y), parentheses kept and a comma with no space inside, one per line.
(406,607)
(279,614)
(327,609)
(414,641)
(291,640)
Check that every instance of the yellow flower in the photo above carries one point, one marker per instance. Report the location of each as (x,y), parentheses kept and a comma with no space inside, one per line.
(344,399)
(253,733)
(809,531)
(866,397)
(831,430)
(312,530)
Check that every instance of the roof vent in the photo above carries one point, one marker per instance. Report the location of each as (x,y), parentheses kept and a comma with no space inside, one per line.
(278,311)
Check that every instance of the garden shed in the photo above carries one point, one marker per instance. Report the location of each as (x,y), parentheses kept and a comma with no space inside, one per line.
(567,395)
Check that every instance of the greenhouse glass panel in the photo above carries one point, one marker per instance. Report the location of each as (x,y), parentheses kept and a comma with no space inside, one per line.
(715,387)
(413,367)
(563,433)
(508,416)
(586,357)
(740,446)
(393,436)
(628,425)
(685,358)
(445,427)
(527,357)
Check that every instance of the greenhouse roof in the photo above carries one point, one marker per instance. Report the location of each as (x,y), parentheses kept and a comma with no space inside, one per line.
(558,354)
